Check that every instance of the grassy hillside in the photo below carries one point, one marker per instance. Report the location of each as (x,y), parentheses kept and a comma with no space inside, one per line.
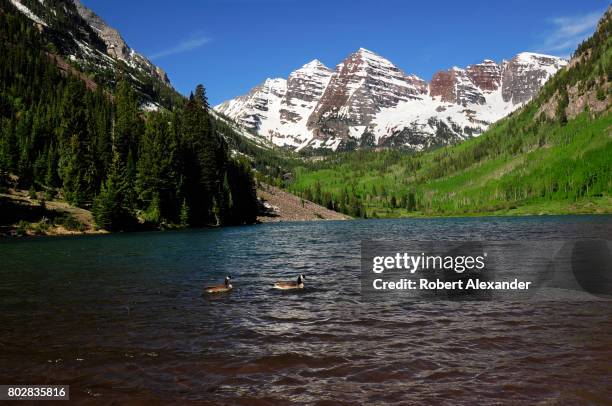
(552,156)
(549,169)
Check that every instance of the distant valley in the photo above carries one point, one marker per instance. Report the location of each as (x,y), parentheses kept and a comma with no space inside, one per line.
(88,121)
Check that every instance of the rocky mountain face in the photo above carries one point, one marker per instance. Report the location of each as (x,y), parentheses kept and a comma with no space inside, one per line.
(586,84)
(305,88)
(524,75)
(116,47)
(82,37)
(363,84)
(368,101)
(466,86)
(260,108)
(280,108)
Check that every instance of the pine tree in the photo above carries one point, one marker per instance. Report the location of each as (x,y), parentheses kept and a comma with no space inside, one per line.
(203,158)
(5,160)
(157,168)
(128,124)
(76,165)
(200,96)
(184,217)
(126,137)
(111,209)
(106,208)
(51,178)
(153,212)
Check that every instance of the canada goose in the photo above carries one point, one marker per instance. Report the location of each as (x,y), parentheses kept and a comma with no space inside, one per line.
(226,287)
(284,285)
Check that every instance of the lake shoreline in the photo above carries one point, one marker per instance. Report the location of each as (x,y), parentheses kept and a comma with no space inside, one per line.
(67,233)
(277,206)
(37,215)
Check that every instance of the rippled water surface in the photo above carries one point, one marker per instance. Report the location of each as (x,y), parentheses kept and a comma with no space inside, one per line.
(123,318)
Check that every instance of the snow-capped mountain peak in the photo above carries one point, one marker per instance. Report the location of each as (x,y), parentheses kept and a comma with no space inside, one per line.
(368,94)
(314,65)
(362,84)
(278,109)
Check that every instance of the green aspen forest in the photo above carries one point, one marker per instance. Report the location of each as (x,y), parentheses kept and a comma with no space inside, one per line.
(527,163)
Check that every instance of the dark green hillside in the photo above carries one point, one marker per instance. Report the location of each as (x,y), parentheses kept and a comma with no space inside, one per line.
(552,156)
(68,137)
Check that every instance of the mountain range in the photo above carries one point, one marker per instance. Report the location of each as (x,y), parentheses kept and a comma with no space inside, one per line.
(367,101)
(551,156)
(81,113)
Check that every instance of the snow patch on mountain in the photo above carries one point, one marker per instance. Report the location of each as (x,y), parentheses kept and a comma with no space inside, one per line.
(278,109)
(366,94)
(27,12)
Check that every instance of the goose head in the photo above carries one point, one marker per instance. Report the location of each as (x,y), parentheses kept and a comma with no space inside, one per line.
(227,281)
(301,279)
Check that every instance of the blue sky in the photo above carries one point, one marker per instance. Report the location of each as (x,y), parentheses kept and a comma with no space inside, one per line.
(232,45)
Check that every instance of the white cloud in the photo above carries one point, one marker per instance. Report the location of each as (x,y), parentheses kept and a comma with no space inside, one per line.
(187,45)
(568,32)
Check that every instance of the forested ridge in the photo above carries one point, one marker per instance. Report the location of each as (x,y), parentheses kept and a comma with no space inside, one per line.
(98,150)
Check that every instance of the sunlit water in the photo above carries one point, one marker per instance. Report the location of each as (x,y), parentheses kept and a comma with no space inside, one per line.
(124,318)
